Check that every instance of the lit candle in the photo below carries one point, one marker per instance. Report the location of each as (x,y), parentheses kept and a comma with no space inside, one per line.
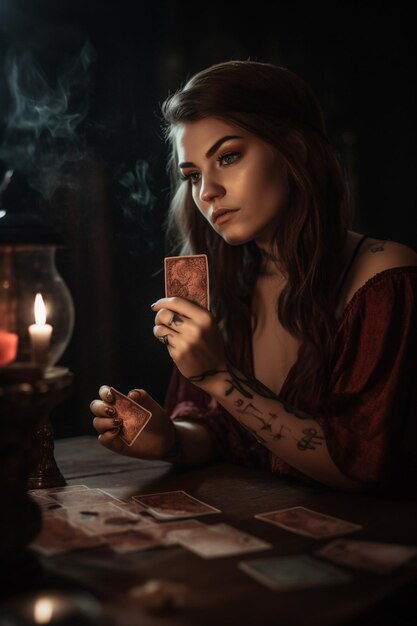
(8,347)
(43,610)
(40,333)
(52,607)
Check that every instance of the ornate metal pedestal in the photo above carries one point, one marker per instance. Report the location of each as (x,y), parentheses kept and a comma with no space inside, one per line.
(44,471)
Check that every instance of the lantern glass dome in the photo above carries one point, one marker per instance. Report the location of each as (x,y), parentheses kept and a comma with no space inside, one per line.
(27,270)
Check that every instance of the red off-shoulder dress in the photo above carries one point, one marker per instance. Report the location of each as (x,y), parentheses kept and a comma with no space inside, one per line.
(369,411)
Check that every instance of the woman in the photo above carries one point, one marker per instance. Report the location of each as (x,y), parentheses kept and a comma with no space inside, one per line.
(305,364)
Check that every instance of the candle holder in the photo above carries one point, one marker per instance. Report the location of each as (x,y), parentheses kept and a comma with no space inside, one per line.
(44,471)
(36,324)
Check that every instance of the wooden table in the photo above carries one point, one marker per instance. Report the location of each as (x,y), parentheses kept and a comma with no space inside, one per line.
(217,591)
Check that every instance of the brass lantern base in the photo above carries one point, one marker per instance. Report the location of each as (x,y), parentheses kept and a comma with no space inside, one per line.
(44,471)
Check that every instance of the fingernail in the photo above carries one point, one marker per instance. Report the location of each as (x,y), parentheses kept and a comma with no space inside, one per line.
(109,410)
(152,305)
(117,421)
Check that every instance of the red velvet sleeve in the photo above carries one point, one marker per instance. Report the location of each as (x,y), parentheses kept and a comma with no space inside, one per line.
(369,415)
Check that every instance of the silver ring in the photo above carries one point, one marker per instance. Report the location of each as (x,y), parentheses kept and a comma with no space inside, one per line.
(175,319)
(164,339)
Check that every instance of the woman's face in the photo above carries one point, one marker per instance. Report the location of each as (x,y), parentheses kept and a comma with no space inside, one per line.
(237,180)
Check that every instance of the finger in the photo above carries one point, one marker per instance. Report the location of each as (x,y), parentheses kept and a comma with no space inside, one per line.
(162,331)
(103,424)
(138,395)
(102,409)
(105,394)
(179,305)
(109,438)
(142,397)
(169,319)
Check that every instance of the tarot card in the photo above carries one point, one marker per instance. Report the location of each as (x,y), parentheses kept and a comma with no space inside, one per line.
(310,523)
(135,509)
(163,531)
(370,556)
(134,416)
(293,572)
(46,505)
(58,536)
(88,497)
(65,488)
(218,540)
(100,519)
(174,505)
(132,540)
(188,277)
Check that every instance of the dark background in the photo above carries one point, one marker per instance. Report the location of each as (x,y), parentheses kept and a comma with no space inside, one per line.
(358,57)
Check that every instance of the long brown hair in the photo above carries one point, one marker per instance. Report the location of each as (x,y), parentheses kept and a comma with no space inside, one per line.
(276,105)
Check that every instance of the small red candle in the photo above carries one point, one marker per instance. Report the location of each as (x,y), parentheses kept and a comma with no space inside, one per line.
(8,347)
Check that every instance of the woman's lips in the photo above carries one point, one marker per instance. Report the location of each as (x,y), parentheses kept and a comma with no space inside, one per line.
(222,215)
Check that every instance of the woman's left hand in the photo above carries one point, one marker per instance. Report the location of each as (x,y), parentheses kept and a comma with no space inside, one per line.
(191,334)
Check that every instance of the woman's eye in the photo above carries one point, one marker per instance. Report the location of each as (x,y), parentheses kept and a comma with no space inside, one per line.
(229,158)
(194,177)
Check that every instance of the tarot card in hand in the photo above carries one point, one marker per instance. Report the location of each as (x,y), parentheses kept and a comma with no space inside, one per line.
(293,572)
(370,556)
(134,416)
(174,505)
(188,277)
(218,540)
(310,523)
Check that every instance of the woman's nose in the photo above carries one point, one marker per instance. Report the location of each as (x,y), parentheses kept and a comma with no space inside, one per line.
(210,189)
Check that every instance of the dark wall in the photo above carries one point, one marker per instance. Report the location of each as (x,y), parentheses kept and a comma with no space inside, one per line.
(359,59)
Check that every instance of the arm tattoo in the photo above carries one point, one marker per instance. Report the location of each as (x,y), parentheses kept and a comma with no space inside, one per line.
(245,387)
(249,409)
(198,378)
(379,247)
(310,440)
(278,436)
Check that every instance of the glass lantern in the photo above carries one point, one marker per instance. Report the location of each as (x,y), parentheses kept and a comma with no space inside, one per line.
(36,307)
(36,324)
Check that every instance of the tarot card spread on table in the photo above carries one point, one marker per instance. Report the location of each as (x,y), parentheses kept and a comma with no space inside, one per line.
(370,556)
(134,416)
(187,277)
(174,505)
(303,521)
(293,572)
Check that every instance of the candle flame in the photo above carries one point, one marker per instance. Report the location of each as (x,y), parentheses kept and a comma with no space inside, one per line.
(43,611)
(40,310)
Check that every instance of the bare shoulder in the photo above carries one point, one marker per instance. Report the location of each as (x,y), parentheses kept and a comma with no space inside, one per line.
(379,255)
(374,256)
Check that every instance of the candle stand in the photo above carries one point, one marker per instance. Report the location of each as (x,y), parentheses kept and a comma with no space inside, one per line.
(44,471)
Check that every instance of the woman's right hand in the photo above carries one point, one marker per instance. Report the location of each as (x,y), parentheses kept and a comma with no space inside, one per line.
(156,439)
